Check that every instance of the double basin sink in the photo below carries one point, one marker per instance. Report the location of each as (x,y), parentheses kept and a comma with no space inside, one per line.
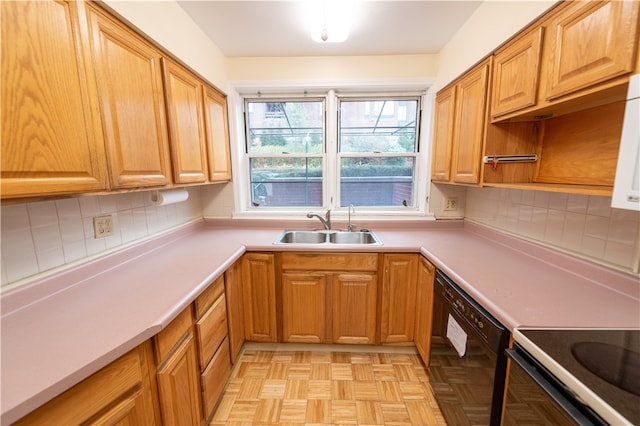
(361,237)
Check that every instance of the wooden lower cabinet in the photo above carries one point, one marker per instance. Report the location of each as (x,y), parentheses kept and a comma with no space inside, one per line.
(259,297)
(424,308)
(213,344)
(354,302)
(304,307)
(119,394)
(398,298)
(177,373)
(235,309)
(329,298)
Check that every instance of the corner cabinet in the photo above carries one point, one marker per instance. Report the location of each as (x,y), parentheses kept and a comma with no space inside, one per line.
(259,297)
(399,283)
(217,127)
(130,89)
(50,128)
(424,308)
(459,127)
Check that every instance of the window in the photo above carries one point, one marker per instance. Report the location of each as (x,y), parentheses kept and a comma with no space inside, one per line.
(332,151)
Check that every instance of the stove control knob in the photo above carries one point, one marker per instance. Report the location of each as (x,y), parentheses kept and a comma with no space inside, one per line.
(480,324)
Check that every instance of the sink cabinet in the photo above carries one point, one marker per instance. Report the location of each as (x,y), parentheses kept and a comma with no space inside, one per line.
(398,310)
(329,298)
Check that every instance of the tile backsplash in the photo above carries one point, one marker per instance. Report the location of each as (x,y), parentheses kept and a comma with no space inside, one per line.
(40,236)
(582,224)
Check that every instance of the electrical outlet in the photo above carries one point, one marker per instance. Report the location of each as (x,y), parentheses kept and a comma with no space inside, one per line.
(102,226)
(450,204)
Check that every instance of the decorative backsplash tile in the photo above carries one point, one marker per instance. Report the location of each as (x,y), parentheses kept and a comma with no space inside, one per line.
(40,236)
(583,224)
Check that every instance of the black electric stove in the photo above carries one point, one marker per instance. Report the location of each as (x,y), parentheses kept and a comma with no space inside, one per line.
(601,367)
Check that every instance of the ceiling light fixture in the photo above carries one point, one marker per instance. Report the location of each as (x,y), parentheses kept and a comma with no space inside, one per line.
(329,20)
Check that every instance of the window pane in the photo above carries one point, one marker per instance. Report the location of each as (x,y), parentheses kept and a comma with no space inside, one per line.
(378,125)
(284,182)
(292,127)
(377,181)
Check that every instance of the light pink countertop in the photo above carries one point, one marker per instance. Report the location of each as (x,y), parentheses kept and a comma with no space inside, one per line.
(59,330)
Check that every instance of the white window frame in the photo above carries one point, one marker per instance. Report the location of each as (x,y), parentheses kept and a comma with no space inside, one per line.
(285,90)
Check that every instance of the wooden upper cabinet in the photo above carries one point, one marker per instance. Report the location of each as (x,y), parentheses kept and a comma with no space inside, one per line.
(51,134)
(443,135)
(516,68)
(129,80)
(469,124)
(184,98)
(217,127)
(589,43)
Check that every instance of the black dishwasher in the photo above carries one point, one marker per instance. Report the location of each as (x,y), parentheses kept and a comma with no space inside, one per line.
(467,373)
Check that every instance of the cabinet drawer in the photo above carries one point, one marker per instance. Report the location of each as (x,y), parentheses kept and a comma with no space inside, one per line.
(209,296)
(214,378)
(211,329)
(172,334)
(330,262)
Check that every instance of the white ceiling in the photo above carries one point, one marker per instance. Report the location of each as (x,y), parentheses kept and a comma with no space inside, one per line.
(279,28)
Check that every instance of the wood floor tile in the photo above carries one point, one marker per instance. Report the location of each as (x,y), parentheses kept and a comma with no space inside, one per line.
(318,411)
(320,357)
(342,389)
(268,411)
(365,391)
(300,371)
(250,389)
(384,372)
(395,412)
(405,373)
(257,370)
(340,357)
(320,371)
(341,372)
(282,356)
(273,389)
(278,370)
(344,412)
(369,413)
(243,411)
(319,389)
(296,389)
(413,390)
(301,357)
(389,391)
(293,411)
(361,358)
(362,372)
(224,408)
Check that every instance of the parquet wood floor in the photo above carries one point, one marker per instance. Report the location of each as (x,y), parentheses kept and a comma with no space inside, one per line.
(302,387)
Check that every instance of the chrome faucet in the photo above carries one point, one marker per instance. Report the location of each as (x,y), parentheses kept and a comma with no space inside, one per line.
(349,224)
(326,220)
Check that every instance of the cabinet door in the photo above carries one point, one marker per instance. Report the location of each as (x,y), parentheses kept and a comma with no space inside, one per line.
(398,298)
(216,121)
(354,308)
(259,297)
(129,80)
(120,393)
(235,310)
(187,137)
(591,42)
(304,307)
(424,308)
(50,129)
(468,130)
(443,135)
(179,385)
(515,74)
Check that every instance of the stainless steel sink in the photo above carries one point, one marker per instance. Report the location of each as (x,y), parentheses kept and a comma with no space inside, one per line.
(364,237)
(302,237)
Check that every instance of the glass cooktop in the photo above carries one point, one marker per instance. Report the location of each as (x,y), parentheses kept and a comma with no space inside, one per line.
(602,366)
